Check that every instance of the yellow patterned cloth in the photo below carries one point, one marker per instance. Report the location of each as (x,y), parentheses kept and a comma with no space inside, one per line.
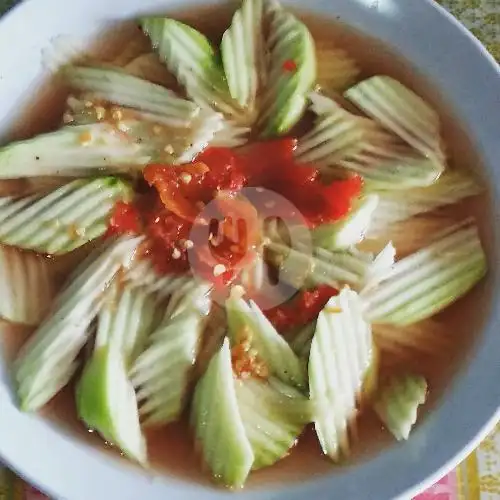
(478,477)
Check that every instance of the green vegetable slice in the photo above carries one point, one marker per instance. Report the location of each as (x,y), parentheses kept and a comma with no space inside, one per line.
(71,151)
(350,230)
(161,374)
(242,49)
(429,280)
(292,73)
(302,339)
(340,357)
(218,424)
(246,322)
(26,287)
(398,404)
(116,86)
(337,70)
(65,219)
(48,359)
(273,420)
(401,111)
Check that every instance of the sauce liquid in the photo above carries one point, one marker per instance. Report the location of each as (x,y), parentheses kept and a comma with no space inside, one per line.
(172,448)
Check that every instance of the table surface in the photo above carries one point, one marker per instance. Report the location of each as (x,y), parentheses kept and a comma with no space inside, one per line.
(478,477)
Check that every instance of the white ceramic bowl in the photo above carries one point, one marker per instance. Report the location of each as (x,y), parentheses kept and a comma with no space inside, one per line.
(458,66)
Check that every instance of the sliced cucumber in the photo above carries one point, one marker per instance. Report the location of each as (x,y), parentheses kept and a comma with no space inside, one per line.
(71,151)
(48,360)
(218,423)
(292,74)
(247,323)
(116,86)
(191,58)
(106,402)
(273,421)
(399,206)
(161,373)
(26,286)
(231,135)
(301,342)
(343,140)
(341,354)
(65,219)
(336,69)
(398,404)
(242,49)
(403,112)
(350,230)
(429,280)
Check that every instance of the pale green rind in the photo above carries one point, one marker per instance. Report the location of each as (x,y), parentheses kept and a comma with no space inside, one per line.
(403,112)
(397,405)
(218,425)
(273,420)
(65,219)
(351,229)
(285,97)
(429,280)
(340,357)
(71,151)
(271,347)
(118,87)
(106,403)
(161,374)
(26,286)
(242,50)
(48,359)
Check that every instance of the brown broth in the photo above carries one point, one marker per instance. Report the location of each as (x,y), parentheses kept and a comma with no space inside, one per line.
(172,448)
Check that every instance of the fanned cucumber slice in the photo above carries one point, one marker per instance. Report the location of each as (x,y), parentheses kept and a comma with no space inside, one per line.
(397,405)
(231,135)
(350,230)
(247,324)
(71,151)
(292,72)
(161,374)
(401,111)
(106,402)
(397,206)
(336,69)
(191,58)
(301,342)
(341,354)
(273,420)
(343,140)
(116,86)
(26,286)
(218,424)
(48,359)
(65,219)
(429,280)
(242,49)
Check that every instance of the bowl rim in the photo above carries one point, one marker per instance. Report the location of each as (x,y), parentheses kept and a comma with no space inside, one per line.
(61,479)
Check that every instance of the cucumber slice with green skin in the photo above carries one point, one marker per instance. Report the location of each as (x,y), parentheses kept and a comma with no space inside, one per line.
(162,372)
(247,320)
(429,280)
(292,75)
(401,111)
(350,230)
(73,151)
(242,49)
(301,343)
(191,58)
(397,405)
(26,287)
(48,359)
(340,357)
(343,140)
(65,219)
(106,402)
(398,206)
(123,89)
(218,424)
(272,420)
